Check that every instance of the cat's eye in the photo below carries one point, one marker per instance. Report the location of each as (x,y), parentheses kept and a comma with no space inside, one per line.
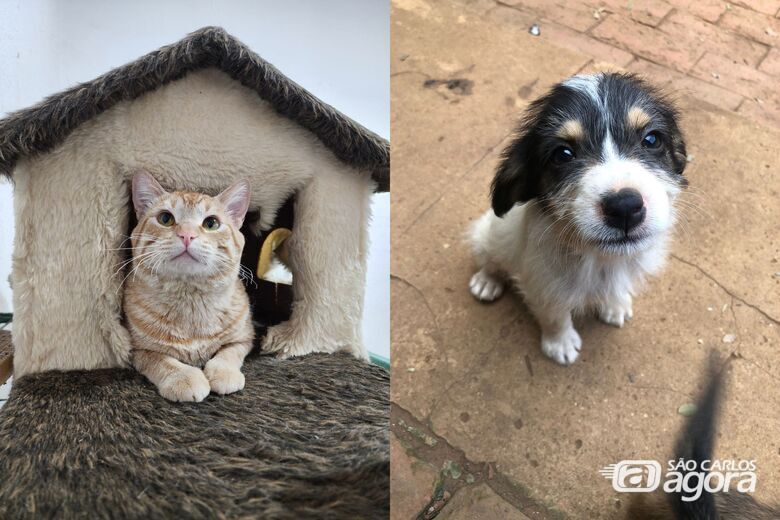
(166,218)
(211,223)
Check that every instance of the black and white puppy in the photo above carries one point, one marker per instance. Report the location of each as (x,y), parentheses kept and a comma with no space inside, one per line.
(583,204)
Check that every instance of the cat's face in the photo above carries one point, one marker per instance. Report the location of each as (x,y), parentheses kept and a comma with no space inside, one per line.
(185,234)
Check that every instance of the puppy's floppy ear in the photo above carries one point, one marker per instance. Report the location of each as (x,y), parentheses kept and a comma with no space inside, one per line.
(679,157)
(516,179)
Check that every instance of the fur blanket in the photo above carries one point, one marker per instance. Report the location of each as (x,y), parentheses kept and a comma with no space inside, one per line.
(307,437)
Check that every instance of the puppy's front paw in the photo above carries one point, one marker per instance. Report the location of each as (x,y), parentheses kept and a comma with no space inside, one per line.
(485,286)
(223,377)
(616,313)
(563,347)
(186,385)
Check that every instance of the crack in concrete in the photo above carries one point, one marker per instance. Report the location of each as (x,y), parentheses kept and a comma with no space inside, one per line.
(424,300)
(475,367)
(457,472)
(739,355)
(445,392)
(756,308)
(736,352)
(460,177)
(437,337)
(736,326)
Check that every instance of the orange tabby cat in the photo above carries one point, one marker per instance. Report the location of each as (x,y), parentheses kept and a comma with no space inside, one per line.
(185,305)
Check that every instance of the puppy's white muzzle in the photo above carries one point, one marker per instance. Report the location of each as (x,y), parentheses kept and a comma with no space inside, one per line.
(620,205)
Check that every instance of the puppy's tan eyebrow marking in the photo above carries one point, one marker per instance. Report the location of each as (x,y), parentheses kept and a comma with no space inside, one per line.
(638,118)
(571,130)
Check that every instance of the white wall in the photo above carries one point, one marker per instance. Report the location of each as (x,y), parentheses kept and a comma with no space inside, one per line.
(339,50)
(6,241)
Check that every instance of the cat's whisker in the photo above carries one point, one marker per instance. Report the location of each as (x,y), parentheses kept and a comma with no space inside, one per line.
(246,274)
(118,248)
(131,248)
(125,263)
(157,264)
(122,283)
(141,255)
(151,262)
(143,236)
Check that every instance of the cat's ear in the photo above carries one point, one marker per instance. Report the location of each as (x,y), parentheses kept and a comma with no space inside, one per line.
(146,190)
(236,201)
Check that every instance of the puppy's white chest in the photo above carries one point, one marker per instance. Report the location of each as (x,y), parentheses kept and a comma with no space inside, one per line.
(594,281)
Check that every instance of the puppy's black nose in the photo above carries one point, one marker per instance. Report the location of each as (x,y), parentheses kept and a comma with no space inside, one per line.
(623,210)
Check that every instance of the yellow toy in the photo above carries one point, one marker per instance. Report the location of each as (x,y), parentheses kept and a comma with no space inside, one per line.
(275,242)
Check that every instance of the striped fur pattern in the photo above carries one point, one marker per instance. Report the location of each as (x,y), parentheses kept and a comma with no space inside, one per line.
(186,308)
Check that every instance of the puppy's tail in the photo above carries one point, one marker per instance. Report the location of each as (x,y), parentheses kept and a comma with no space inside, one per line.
(696,443)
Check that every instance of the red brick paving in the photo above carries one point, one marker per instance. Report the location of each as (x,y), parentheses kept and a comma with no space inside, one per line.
(648,12)
(684,28)
(648,42)
(736,77)
(576,15)
(751,24)
(683,84)
(771,64)
(725,53)
(583,42)
(707,10)
(766,7)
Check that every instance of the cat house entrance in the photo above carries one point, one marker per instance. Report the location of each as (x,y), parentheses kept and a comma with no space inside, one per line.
(270,292)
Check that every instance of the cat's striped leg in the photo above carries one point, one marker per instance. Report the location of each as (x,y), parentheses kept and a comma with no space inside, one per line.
(223,371)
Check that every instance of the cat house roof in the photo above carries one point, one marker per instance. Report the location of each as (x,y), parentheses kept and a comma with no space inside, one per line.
(42,127)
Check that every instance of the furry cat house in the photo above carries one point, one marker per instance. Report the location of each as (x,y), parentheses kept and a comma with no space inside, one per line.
(199,115)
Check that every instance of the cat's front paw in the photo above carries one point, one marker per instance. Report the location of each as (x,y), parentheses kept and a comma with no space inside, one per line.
(223,377)
(186,385)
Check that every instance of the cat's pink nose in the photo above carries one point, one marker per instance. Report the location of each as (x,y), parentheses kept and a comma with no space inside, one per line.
(186,238)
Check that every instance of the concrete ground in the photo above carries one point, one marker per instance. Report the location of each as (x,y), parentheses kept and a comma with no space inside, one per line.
(484,425)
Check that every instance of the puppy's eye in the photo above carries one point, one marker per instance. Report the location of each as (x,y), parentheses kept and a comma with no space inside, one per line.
(652,140)
(211,223)
(562,154)
(166,219)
